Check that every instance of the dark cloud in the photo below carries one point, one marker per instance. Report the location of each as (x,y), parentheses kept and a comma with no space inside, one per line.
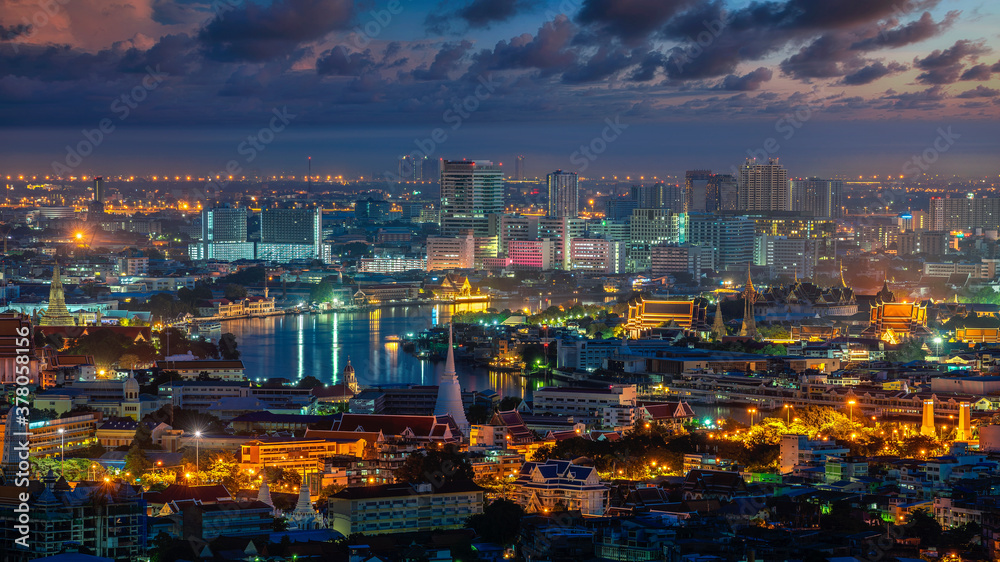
(945,66)
(175,12)
(829,56)
(980,92)
(341,62)
(931,98)
(629,20)
(477,14)
(446,61)
(176,55)
(251,32)
(750,81)
(606,62)
(913,32)
(977,72)
(11,32)
(549,51)
(872,72)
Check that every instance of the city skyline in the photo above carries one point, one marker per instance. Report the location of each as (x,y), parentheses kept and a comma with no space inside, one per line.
(832,88)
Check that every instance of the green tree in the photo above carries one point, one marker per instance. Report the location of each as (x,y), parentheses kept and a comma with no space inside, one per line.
(499,522)
(234,292)
(321,292)
(909,350)
(136,463)
(436,466)
(228,347)
(478,414)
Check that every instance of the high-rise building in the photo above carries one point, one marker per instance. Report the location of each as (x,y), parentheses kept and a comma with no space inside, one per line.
(731,236)
(224,224)
(821,198)
(95,209)
(290,234)
(519,174)
(470,192)
(789,257)
(412,169)
(372,210)
(697,192)
(763,187)
(619,208)
(564,194)
(450,252)
(965,213)
(652,227)
(724,193)
(658,196)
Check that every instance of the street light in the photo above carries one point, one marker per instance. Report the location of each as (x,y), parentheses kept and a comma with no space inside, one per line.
(938,341)
(197,457)
(62,451)
(788,413)
(751,411)
(851,404)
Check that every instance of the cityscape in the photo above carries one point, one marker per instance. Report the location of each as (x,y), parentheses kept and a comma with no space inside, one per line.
(485,280)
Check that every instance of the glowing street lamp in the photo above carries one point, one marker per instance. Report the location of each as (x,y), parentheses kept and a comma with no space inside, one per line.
(851,404)
(62,451)
(788,413)
(197,457)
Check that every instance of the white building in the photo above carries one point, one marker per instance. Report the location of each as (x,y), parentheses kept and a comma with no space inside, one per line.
(555,484)
(585,405)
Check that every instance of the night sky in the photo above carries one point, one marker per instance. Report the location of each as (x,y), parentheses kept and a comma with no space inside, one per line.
(832,87)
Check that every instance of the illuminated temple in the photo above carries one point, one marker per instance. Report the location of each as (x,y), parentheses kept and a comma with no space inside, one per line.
(646,314)
(894,322)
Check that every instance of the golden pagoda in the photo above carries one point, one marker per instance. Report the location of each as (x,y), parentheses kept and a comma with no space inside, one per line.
(57,314)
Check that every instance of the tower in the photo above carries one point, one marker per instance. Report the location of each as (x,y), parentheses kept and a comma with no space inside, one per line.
(564,194)
(964,430)
(95,209)
(927,422)
(349,379)
(719,324)
(749,328)
(449,398)
(57,314)
(264,496)
(304,517)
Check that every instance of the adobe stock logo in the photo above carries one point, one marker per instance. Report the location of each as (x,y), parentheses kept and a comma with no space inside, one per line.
(589,152)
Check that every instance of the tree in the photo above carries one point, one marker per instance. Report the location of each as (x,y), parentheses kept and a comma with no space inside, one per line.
(129,361)
(321,292)
(228,347)
(499,522)
(309,381)
(234,292)
(509,403)
(910,350)
(478,414)
(136,462)
(436,466)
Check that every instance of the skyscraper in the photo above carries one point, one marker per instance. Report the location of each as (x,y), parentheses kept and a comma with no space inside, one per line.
(449,398)
(287,234)
(764,187)
(732,237)
(412,169)
(95,209)
(224,224)
(723,193)
(564,194)
(697,192)
(470,192)
(519,174)
(820,197)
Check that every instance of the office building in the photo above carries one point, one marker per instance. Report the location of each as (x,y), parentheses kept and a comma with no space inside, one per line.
(619,208)
(372,210)
(519,174)
(788,257)
(450,252)
(596,255)
(290,234)
(818,197)
(585,405)
(723,193)
(763,187)
(412,169)
(471,191)
(564,194)
(965,213)
(652,227)
(698,197)
(672,258)
(731,236)
(223,236)
(402,508)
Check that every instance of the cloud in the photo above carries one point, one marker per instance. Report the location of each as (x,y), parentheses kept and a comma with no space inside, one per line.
(477,14)
(549,51)
(251,32)
(977,72)
(945,66)
(872,72)
(446,61)
(931,98)
(750,81)
(979,92)
(11,32)
(629,20)
(913,32)
(341,62)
